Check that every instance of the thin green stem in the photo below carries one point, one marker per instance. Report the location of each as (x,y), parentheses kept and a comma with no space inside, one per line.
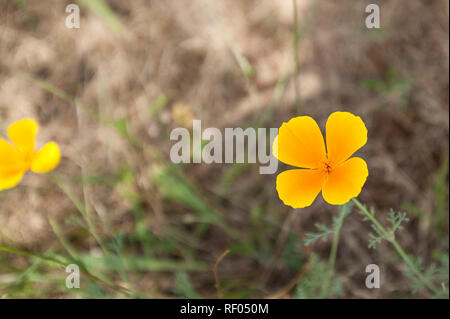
(390,237)
(82,209)
(30,254)
(332,259)
(413,267)
(296,59)
(63,264)
(370,216)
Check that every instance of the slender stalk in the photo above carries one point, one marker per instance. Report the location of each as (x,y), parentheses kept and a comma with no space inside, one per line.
(296,60)
(216,273)
(63,264)
(82,209)
(30,254)
(398,248)
(364,210)
(332,259)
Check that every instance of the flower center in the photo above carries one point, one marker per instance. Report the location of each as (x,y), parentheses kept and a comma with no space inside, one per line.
(326,167)
(28,158)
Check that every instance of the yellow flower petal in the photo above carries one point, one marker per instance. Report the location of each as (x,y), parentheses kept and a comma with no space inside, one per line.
(299,187)
(9,180)
(345,134)
(23,134)
(300,143)
(46,159)
(11,160)
(345,181)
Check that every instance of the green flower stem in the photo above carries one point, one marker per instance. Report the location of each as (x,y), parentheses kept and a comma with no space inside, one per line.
(332,259)
(296,60)
(391,238)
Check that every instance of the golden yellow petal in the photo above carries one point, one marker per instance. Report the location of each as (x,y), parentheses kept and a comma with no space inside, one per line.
(11,160)
(300,143)
(345,181)
(10,180)
(23,134)
(299,187)
(46,159)
(345,134)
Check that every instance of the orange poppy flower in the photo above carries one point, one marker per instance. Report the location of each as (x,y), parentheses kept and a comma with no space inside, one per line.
(17,158)
(331,170)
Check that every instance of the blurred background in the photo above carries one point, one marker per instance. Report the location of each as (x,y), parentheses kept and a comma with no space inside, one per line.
(110,92)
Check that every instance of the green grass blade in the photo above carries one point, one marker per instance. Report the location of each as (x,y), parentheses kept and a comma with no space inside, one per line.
(103,10)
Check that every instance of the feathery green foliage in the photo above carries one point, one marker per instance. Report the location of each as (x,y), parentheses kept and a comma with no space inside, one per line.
(311,284)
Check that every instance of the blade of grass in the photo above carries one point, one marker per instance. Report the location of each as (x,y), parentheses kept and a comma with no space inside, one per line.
(141,264)
(23,278)
(441,194)
(30,254)
(82,209)
(296,60)
(50,259)
(245,66)
(104,11)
